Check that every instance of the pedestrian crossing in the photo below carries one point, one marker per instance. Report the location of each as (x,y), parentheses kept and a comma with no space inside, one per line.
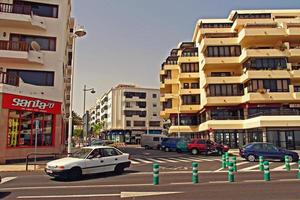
(212,164)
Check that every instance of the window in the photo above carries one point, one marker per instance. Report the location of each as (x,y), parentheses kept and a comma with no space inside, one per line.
(154,115)
(156,139)
(270,85)
(154,105)
(141,95)
(141,104)
(22,129)
(252,16)
(223,51)
(225,90)
(130,113)
(154,123)
(154,96)
(70,55)
(190,99)
(128,123)
(127,105)
(40,78)
(46,43)
(266,64)
(139,123)
(107,152)
(189,67)
(44,10)
(216,25)
(194,85)
(227,113)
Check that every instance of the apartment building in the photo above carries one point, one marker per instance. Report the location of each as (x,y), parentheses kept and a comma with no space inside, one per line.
(128,112)
(35,70)
(248,72)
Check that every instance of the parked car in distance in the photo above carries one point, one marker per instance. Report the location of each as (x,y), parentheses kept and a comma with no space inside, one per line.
(174,144)
(152,141)
(89,160)
(99,142)
(197,146)
(252,151)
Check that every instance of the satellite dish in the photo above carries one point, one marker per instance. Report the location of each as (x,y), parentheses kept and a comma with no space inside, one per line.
(35,46)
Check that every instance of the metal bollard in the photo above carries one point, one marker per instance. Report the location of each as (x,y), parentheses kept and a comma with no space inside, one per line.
(287,163)
(223,161)
(226,158)
(155,174)
(234,163)
(230,172)
(261,163)
(299,169)
(266,171)
(195,173)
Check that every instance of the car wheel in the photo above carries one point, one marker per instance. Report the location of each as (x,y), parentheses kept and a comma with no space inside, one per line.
(290,158)
(147,147)
(167,149)
(195,151)
(251,158)
(75,174)
(119,169)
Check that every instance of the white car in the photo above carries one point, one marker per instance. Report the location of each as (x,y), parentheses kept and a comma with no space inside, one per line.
(89,160)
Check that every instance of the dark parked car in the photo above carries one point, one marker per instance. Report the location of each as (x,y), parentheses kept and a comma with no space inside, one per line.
(174,144)
(252,151)
(206,146)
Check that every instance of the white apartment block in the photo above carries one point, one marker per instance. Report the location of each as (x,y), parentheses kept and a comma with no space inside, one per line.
(35,69)
(130,111)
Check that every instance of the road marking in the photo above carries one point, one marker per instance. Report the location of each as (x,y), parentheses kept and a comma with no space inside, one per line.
(219,169)
(249,168)
(156,160)
(292,179)
(169,160)
(182,183)
(143,194)
(208,160)
(218,182)
(253,181)
(282,167)
(134,162)
(7,179)
(181,160)
(241,163)
(143,161)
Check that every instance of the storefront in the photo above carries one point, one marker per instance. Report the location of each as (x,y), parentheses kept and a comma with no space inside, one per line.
(26,122)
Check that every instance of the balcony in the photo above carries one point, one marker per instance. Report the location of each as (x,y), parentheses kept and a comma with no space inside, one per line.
(188,59)
(221,80)
(190,108)
(171,81)
(265,74)
(210,62)
(191,75)
(9,79)
(261,35)
(12,52)
(221,100)
(248,53)
(293,30)
(217,42)
(171,67)
(14,15)
(269,97)
(190,91)
(295,53)
(240,23)
(272,112)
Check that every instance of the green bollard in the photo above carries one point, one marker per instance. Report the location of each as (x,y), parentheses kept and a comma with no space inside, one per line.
(287,163)
(195,173)
(230,172)
(223,161)
(266,171)
(299,169)
(261,163)
(155,174)
(234,163)
(226,159)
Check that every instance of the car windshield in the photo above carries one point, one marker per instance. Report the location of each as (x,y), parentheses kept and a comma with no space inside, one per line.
(82,153)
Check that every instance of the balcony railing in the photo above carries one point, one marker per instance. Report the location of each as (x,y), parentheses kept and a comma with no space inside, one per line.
(9,79)
(15,8)
(14,46)
(274,112)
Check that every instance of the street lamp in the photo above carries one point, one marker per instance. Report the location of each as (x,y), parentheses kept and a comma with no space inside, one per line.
(77,33)
(92,90)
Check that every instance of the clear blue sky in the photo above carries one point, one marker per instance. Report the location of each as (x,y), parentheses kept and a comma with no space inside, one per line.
(128,40)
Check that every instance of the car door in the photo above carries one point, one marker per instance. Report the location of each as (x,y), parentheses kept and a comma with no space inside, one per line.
(111,159)
(273,152)
(93,162)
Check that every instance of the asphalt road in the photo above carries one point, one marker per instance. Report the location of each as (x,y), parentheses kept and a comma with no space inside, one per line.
(175,181)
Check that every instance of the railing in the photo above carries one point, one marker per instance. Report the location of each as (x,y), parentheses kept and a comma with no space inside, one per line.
(14,46)
(274,112)
(54,155)
(9,79)
(15,8)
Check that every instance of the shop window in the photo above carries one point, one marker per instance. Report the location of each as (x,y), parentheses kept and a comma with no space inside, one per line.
(25,126)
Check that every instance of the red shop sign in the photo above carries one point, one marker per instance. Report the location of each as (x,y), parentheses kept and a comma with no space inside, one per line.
(16,102)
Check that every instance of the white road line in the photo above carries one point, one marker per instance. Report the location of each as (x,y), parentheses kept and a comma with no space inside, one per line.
(218,182)
(249,168)
(208,160)
(181,159)
(242,163)
(134,162)
(68,196)
(169,160)
(217,159)
(191,159)
(280,168)
(156,160)
(143,161)
(7,179)
(253,181)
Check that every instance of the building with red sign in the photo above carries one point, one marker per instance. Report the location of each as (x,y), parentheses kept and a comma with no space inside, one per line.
(35,72)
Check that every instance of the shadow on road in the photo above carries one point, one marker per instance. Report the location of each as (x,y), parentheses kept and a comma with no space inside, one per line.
(4,194)
(96,176)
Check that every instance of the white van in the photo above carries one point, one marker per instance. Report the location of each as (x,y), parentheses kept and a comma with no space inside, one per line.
(152,141)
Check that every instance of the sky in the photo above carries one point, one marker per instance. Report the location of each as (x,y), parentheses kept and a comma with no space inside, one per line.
(128,40)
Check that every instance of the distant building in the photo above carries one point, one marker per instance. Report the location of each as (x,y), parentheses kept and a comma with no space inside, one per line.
(128,112)
(238,81)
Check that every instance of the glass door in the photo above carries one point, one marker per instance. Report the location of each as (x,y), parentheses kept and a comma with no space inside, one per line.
(290,139)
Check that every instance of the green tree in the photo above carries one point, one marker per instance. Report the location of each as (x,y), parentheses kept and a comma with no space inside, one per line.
(98,127)
(77,120)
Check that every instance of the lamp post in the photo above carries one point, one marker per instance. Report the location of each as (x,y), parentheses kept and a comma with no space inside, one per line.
(77,33)
(85,89)
(178,117)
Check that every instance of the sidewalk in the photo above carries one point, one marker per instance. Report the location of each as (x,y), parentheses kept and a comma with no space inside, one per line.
(20,168)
